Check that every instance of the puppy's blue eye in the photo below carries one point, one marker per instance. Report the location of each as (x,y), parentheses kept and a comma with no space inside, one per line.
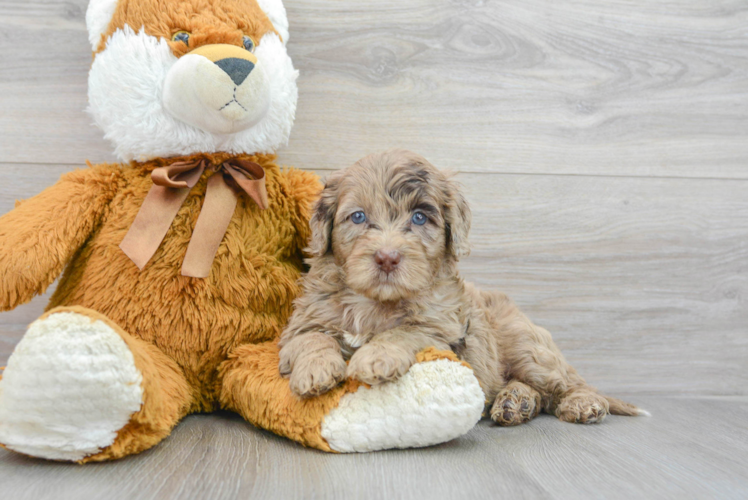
(249,44)
(419,219)
(358,217)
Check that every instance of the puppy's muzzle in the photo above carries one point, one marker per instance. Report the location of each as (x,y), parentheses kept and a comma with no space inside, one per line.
(387,260)
(220,88)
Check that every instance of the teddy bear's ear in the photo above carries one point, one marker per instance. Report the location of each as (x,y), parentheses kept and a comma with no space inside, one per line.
(98,17)
(277,14)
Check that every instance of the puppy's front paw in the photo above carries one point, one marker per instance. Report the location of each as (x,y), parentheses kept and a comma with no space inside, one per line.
(374,364)
(316,374)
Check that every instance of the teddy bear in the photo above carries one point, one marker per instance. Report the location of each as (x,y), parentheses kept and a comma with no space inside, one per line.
(178,267)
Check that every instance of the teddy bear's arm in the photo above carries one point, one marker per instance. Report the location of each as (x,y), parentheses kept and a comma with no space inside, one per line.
(41,234)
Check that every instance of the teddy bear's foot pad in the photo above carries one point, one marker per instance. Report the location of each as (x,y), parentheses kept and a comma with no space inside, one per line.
(70,385)
(432,403)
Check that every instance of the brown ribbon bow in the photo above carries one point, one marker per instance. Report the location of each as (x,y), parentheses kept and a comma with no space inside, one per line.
(171,186)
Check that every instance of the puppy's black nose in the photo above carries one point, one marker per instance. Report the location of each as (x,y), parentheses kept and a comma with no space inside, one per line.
(237,69)
(387,260)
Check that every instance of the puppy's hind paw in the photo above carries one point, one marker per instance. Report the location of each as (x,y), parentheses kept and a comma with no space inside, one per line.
(582,408)
(317,374)
(375,364)
(516,404)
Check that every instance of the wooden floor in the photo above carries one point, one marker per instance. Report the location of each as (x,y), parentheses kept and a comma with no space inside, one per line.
(603,145)
(690,448)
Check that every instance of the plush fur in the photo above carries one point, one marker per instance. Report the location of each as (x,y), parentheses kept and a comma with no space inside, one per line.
(102,379)
(189,325)
(379,315)
(414,395)
(126,85)
(98,15)
(276,12)
(123,354)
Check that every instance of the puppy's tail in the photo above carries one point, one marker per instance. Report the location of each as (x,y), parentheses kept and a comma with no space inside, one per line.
(618,407)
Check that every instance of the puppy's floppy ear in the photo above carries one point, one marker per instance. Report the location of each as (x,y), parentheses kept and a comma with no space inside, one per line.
(458,218)
(323,216)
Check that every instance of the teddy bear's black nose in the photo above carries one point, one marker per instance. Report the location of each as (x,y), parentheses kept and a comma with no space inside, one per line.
(236,68)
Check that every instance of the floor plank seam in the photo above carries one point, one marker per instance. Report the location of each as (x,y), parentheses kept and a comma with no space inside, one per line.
(471,172)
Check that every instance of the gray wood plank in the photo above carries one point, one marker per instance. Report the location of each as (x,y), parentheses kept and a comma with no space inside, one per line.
(221,457)
(46,57)
(627,88)
(632,88)
(642,281)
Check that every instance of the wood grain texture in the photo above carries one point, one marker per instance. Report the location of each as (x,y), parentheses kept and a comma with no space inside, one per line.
(220,457)
(643,282)
(615,87)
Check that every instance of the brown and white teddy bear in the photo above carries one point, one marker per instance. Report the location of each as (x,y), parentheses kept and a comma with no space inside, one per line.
(179,266)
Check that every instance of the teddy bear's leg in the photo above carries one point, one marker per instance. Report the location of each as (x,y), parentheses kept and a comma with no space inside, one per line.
(79,388)
(438,400)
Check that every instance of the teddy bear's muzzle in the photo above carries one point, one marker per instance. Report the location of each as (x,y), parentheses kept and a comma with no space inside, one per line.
(237,69)
(220,88)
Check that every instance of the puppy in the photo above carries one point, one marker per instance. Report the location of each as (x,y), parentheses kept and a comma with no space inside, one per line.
(383,284)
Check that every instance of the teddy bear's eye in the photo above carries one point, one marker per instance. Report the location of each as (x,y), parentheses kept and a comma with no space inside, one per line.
(181,36)
(249,44)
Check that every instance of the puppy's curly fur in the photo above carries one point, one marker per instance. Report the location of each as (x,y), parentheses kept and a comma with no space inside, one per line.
(383,284)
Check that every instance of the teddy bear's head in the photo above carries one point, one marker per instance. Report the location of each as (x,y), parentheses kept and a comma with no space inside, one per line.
(176,77)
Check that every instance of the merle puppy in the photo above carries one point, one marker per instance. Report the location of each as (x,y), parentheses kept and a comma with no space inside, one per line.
(383,285)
